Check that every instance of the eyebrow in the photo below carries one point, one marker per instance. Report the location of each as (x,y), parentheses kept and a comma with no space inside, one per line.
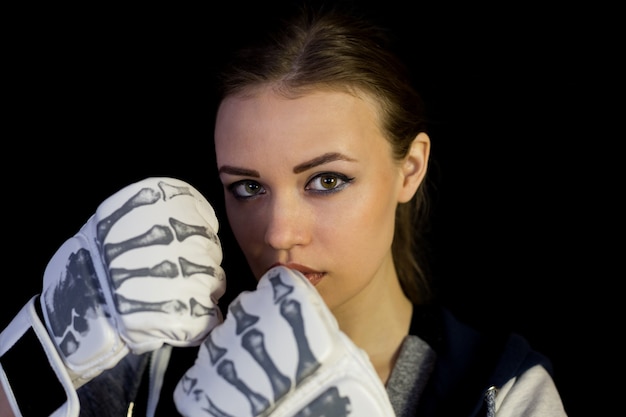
(322,159)
(227,169)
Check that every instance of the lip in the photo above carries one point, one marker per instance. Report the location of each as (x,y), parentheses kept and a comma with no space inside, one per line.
(312,275)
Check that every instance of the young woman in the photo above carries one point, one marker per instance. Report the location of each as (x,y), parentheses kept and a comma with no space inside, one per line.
(322,148)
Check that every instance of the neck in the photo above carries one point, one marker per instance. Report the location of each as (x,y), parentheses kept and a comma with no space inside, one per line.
(378,322)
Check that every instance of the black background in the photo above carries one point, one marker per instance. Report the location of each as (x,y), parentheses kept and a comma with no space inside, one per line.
(97,98)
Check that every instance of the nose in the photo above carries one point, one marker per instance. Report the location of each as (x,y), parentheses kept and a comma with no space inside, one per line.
(286,225)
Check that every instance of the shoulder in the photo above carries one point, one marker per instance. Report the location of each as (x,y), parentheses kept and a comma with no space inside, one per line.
(532,392)
(461,346)
(470,362)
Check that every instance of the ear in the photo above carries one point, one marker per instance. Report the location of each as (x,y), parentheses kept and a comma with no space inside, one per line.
(414,167)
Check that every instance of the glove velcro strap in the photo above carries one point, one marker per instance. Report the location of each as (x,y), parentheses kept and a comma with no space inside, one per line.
(32,373)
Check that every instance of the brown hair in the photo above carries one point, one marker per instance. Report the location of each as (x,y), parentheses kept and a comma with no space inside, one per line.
(342,50)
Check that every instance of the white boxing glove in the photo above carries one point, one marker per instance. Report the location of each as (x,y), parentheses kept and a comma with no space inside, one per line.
(144,271)
(280,353)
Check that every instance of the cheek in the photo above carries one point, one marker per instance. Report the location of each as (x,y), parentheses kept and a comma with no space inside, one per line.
(355,247)
(243,226)
(365,225)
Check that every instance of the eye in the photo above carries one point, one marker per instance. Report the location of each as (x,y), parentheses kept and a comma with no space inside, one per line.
(245,189)
(328,182)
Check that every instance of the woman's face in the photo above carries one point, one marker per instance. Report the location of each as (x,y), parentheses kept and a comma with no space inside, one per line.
(310,183)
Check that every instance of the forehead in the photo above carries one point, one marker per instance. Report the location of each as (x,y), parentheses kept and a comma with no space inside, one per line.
(267,118)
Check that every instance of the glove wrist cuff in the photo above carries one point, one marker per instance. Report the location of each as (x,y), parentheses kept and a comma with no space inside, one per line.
(26,341)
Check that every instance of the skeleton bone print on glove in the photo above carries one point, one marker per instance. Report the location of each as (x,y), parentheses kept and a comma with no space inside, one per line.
(143,271)
(280,353)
